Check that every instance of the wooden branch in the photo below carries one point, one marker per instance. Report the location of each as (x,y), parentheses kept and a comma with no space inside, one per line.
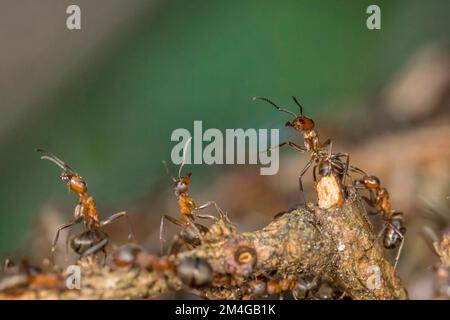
(336,244)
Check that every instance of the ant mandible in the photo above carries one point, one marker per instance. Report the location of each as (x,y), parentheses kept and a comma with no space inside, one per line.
(394,229)
(319,155)
(191,232)
(93,239)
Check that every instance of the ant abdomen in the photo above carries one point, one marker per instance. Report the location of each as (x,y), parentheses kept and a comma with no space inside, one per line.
(394,233)
(195,272)
(89,242)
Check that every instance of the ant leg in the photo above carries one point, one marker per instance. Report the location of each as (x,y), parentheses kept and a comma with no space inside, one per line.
(382,231)
(300,179)
(206,216)
(161,228)
(55,240)
(358,170)
(99,246)
(106,256)
(222,215)
(368,201)
(68,239)
(176,244)
(117,216)
(291,144)
(400,248)
(325,144)
(347,165)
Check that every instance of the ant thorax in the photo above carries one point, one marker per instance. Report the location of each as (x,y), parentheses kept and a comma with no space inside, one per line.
(312,142)
(384,202)
(186,204)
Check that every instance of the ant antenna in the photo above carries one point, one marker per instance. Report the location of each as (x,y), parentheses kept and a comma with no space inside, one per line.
(167,170)
(51,157)
(298,103)
(329,151)
(358,170)
(184,157)
(275,105)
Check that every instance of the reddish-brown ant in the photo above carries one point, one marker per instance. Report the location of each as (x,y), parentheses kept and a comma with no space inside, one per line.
(93,239)
(132,255)
(393,230)
(194,272)
(191,232)
(330,165)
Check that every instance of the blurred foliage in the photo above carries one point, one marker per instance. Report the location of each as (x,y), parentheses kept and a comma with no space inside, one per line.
(191,60)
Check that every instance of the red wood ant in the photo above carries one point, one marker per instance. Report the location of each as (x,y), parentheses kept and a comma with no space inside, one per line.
(301,287)
(191,232)
(393,230)
(132,255)
(93,239)
(194,272)
(329,165)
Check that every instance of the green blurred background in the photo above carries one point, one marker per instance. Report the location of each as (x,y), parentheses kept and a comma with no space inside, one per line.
(106,98)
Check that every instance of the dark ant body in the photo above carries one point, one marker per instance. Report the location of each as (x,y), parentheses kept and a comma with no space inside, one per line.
(394,229)
(93,239)
(267,286)
(330,166)
(301,287)
(191,232)
(14,278)
(328,177)
(89,242)
(132,255)
(195,272)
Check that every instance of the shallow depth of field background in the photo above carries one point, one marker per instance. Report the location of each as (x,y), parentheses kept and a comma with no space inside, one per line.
(106,99)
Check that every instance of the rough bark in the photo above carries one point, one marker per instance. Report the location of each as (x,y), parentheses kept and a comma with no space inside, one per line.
(338,244)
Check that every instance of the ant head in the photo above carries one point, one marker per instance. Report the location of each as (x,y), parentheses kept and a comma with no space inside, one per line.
(301,123)
(371,182)
(74,182)
(68,175)
(182,184)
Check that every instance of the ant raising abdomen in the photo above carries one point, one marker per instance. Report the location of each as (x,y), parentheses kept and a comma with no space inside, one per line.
(394,229)
(93,239)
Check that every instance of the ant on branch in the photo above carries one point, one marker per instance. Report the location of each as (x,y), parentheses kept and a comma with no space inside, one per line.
(330,165)
(18,277)
(194,272)
(191,232)
(93,239)
(302,287)
(394,229)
